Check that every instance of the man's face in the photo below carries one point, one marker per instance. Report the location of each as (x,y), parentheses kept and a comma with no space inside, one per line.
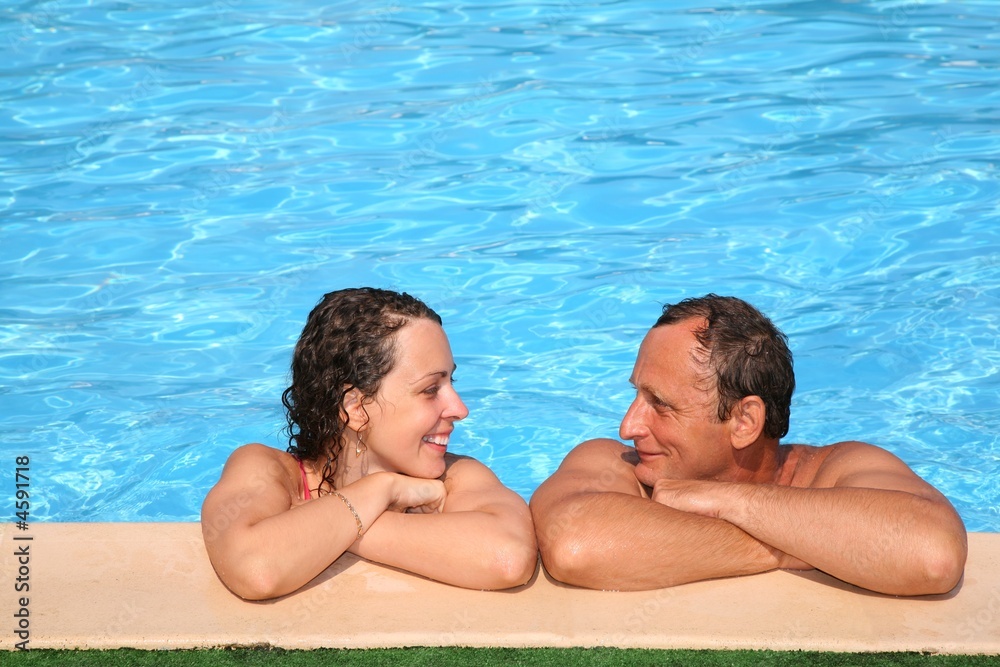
(673,421)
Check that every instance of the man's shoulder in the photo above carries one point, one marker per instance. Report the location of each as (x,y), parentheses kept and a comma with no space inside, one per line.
(601,464)
(836,461)
(599,452)
(851,450)
(601,447)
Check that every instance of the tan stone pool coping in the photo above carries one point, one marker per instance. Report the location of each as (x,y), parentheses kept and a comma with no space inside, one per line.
(150,585)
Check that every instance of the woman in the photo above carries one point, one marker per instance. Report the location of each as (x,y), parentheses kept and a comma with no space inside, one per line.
(370,413)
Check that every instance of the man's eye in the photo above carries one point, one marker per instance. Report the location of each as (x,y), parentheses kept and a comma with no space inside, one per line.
(432,390)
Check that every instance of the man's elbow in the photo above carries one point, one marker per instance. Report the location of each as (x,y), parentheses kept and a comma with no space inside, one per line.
(935,569)
(943,565)
(565,554)
(570,561)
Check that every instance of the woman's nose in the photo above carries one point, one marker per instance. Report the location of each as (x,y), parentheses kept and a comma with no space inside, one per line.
(456,407)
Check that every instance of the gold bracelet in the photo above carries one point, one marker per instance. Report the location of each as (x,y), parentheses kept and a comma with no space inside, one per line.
(353,511)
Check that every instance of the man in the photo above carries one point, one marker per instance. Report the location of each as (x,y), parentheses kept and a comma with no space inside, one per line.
(707,491)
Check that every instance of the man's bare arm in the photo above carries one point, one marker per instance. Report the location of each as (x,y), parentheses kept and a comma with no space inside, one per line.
(595,529)
(866,519)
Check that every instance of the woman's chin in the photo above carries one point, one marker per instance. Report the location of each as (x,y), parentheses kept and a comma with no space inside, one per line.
(426,469)
(438,468)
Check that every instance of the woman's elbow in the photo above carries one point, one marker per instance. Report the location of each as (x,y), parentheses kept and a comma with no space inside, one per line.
(255,589)
(251,581)
(515,564)
(522,566)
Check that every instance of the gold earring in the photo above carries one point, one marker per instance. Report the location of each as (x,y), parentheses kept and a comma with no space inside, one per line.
(360,447)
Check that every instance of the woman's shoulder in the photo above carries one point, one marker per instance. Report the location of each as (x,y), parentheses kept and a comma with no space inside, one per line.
(257,469)
(459,463)
(256,451)
(472,485)
(257,459)
(467,472)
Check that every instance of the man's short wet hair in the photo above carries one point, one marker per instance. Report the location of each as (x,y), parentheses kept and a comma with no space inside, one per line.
(744,351)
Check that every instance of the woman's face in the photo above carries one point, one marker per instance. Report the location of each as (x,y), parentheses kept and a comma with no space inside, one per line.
(414,413)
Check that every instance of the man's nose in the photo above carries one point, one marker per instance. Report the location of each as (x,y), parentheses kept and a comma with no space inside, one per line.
(631,426)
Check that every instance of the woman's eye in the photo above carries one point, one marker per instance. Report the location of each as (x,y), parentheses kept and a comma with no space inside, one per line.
(432,390)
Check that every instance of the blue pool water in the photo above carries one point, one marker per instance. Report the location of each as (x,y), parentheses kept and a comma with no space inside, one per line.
(179,184)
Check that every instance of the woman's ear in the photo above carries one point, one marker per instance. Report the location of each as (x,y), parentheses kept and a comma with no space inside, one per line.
(747,421)
(357,416)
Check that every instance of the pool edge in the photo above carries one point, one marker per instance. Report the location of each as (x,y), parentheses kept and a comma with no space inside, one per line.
(150,586)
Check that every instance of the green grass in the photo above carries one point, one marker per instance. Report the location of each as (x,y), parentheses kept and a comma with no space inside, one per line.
(482,657)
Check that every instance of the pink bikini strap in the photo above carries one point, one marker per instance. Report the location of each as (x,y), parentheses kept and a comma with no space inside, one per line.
(305,480)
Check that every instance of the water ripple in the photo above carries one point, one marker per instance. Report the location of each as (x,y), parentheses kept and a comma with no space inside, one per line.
(181,184)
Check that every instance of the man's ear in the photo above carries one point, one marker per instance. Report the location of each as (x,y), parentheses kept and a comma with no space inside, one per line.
(747,421)
(357,416)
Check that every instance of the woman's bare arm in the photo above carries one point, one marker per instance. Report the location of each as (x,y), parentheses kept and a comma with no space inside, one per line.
(483,539)
(264,543)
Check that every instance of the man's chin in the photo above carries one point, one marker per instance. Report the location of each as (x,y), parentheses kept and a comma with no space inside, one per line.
(648,475)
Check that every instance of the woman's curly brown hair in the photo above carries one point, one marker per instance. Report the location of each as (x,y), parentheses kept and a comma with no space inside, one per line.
(348,342)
